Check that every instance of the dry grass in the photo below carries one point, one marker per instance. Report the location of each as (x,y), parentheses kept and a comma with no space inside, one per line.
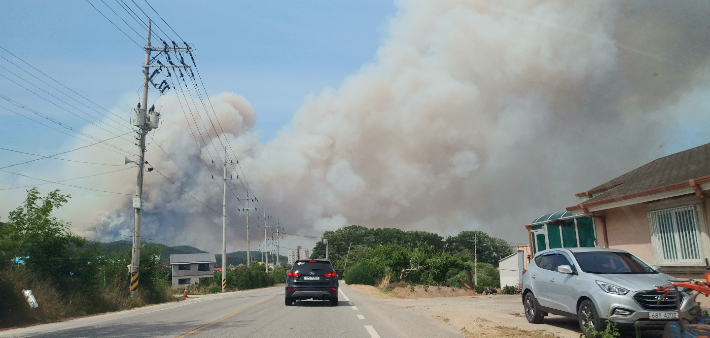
(485,328)
(55,305)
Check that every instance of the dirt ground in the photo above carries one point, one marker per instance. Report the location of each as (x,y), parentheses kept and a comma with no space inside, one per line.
(472,314)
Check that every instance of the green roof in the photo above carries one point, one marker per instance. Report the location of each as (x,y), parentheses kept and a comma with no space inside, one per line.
(554,216)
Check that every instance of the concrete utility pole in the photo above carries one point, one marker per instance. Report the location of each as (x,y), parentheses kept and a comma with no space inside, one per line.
(266,250)
(326,247)
(475,258)
(248,247)
(224,224)
(145,120)
(278,259)
(278,236)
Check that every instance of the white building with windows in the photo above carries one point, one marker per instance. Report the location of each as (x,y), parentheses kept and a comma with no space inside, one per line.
(187,269)
(296,254)
(658,211)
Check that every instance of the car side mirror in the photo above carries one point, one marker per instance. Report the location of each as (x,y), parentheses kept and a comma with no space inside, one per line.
(566,269)
(339,272)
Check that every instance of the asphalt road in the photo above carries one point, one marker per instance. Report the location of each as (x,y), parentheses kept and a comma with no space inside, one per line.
(253,313)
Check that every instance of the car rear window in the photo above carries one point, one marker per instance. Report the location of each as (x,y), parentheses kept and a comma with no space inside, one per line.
(315,266)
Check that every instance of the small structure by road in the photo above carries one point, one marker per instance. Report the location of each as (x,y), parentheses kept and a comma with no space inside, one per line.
(189,268)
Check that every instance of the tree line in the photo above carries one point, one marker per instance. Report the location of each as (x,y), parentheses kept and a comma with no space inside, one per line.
(72,276)
(371,256)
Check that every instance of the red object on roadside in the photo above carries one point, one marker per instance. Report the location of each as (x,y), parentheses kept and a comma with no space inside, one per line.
(184,294)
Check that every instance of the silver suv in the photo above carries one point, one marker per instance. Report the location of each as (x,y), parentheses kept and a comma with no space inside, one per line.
(595,284)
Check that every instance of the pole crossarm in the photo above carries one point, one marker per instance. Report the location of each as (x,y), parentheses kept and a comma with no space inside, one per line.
(169,49)
(168,66)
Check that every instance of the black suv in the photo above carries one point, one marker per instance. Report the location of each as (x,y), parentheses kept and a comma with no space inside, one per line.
(312,279)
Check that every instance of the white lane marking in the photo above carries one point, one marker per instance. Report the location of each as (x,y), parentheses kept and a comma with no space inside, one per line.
(371,331)
(360,316)
(354,308)
(344,296)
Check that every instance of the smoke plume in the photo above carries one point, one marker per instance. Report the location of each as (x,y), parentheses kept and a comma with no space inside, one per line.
(470,117)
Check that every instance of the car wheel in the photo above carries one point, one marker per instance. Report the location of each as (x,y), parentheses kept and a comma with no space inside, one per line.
(532,312)
(589,321)
(334,301)
(289,301)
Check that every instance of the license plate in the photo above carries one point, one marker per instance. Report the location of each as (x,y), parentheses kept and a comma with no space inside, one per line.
(311,278)
(663,315)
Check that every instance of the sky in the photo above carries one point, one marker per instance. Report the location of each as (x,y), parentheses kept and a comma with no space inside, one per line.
(438,116)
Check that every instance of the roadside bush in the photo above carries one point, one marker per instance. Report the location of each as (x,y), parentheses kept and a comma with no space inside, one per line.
(508,290)
(249,277)
(278,275)
(365,272)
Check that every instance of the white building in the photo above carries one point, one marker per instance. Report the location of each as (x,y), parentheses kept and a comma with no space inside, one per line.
(296,254)
(511,267)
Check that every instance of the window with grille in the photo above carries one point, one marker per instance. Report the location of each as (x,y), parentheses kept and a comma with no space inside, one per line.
(674,234)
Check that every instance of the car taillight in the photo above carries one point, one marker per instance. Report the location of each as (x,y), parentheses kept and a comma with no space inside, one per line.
(293,274)
(524,271)
(330,274)
(290,288)
(334,289)
(311,261)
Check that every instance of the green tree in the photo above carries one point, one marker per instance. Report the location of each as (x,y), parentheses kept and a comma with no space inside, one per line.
(44,244)
(488,249)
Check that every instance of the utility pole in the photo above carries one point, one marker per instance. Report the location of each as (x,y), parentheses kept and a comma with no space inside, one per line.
(278,253)
(326,247)
(266,250)
(248,247)
(348,255)
(146,120)
(475,258)
(224,223)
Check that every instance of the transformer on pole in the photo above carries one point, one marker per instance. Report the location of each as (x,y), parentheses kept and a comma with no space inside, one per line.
(146,120)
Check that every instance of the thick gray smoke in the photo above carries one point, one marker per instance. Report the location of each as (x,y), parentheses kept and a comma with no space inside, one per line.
(471,117)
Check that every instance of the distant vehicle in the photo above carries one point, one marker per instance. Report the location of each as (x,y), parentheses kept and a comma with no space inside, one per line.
(312,279)
(595,284)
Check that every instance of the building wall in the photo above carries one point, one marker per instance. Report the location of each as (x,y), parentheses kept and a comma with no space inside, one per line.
(303,254)
(628,229)
(509,270)
(193,274)
(296,254)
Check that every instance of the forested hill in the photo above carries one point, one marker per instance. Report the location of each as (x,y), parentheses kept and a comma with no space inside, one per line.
(165,250)
(233,258)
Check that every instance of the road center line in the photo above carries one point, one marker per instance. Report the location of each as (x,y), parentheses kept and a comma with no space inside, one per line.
(223,318)
(354,308)
(344,296)
(360,316)
(371,331)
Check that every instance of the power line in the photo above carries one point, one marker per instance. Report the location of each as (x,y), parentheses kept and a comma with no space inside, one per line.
(53,158)
(19,105)
(69,185)
(161,18)
(59,83)
(109,20)
(70,179)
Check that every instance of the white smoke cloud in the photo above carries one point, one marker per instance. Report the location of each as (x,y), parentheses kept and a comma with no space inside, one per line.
(472,117)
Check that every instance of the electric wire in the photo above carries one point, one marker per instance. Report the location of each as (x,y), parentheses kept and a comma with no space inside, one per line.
(65,126)
(70,179)
(59,83)
(59,90)
(64,184)
(109,20)
(64,152)
(56,98)
(124,21)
